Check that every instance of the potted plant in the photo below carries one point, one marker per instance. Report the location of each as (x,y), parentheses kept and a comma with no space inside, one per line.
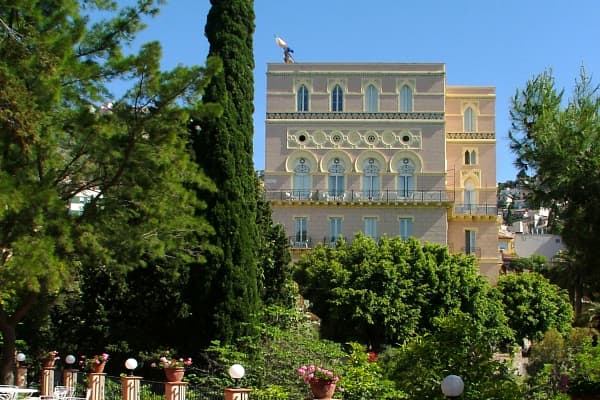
(49,358)
(174,367)
(96,363)
(322,381)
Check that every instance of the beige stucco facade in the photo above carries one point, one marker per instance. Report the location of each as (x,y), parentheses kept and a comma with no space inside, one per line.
(384,149)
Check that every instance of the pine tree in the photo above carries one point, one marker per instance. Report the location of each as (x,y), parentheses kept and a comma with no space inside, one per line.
(226,299)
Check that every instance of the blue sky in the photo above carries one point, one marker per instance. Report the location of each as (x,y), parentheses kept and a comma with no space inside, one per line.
(500,43)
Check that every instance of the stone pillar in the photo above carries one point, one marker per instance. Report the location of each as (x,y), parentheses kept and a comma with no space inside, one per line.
(47,381)
(130,387)
(21,377)
(70,379)
(97,381)
(175,390)
(237,394)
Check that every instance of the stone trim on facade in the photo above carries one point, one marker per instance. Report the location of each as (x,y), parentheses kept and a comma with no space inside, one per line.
(471,135)
(429,116)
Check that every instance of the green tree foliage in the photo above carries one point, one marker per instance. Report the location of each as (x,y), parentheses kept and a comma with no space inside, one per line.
(457,345)
(386,292)
(275,261)
(226,299)
(535,263)
(364,378)
(557,148)
(533,305)
(569,272)
(560,363)
(288,339)
(65,134)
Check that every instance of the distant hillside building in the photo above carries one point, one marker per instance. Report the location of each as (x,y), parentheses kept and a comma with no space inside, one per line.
(384,149)
(545,245)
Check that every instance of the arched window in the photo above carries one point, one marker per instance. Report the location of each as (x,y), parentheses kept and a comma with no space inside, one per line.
(336,177)
(406,178)
(301,180)
(371,99)
(470,157)
(406,99)
(302,98)
(371,183)
(337,99)
(469,123)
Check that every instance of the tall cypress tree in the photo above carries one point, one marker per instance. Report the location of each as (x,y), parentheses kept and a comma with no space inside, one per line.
(225,298)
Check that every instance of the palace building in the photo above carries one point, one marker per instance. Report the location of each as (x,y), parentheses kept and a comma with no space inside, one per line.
(383,149)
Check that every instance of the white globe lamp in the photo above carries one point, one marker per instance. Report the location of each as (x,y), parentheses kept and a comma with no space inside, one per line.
(452,386)
(70,360)
(236,372)
(131,364)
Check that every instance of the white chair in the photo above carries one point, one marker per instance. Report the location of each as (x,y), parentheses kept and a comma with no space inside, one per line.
(60,392)
(88,394)
(8,392)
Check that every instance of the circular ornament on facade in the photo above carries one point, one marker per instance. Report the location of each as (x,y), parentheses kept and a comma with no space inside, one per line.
(406,138)
(388,138)
(371,138)
(336,138)
(354,138)
(319,137)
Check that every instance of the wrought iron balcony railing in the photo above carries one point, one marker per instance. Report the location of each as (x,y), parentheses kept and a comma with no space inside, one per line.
(475,209)
(387,196)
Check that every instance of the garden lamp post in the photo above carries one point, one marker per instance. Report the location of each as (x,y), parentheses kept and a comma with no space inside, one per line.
(452,386)
(236,372)
(70,360)
(70,374)
(21,357)
(21,369)
(130,365)
(130,385)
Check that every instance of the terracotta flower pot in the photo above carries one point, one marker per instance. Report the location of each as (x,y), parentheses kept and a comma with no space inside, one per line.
(48,363)
(322,388)
(98,368)
(174,374)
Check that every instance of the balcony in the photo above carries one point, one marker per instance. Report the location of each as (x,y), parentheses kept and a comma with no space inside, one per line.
(354,196)
(475,251)
(297,242)
(475,209)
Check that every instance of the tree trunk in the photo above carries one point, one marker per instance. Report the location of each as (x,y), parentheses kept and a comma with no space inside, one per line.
(8,327)
(9,347)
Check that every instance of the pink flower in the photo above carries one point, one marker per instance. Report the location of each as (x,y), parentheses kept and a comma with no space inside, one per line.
(166,362)
(312,372)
